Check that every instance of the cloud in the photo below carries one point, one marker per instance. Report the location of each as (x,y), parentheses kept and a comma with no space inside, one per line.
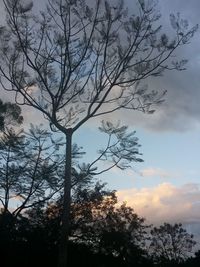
(181,110)
(32,115)
(165,202)
(145,173)
(152,172)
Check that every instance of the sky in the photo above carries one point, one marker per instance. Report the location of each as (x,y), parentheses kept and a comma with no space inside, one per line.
(166,187)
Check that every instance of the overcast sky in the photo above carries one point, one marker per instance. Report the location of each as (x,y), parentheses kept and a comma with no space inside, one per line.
(166,187)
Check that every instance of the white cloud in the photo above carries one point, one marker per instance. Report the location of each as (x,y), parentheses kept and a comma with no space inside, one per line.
(165,202)
(152,172)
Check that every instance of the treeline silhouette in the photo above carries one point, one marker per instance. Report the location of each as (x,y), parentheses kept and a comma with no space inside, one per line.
(103,233)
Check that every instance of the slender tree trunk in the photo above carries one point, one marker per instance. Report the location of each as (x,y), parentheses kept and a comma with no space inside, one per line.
(65,220)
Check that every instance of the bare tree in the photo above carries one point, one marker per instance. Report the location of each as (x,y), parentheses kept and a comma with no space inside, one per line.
(74,62)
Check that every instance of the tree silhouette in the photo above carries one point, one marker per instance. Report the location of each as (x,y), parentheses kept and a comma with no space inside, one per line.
(10,114)
(108,233)
(171,243)
(30,169)
(193,261)
(102,233)
(74,62)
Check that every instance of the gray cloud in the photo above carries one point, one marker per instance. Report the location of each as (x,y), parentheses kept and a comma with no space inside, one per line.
(181,110)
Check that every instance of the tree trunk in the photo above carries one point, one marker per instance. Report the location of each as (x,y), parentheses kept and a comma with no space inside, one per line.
(65,220)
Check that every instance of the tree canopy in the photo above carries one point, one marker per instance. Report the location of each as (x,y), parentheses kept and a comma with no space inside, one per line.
(171,243)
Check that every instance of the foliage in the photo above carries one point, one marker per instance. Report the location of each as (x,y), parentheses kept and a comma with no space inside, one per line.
(30,168)
(193,261)
(102,233)
(171,243)
(97,224)
(10,114)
